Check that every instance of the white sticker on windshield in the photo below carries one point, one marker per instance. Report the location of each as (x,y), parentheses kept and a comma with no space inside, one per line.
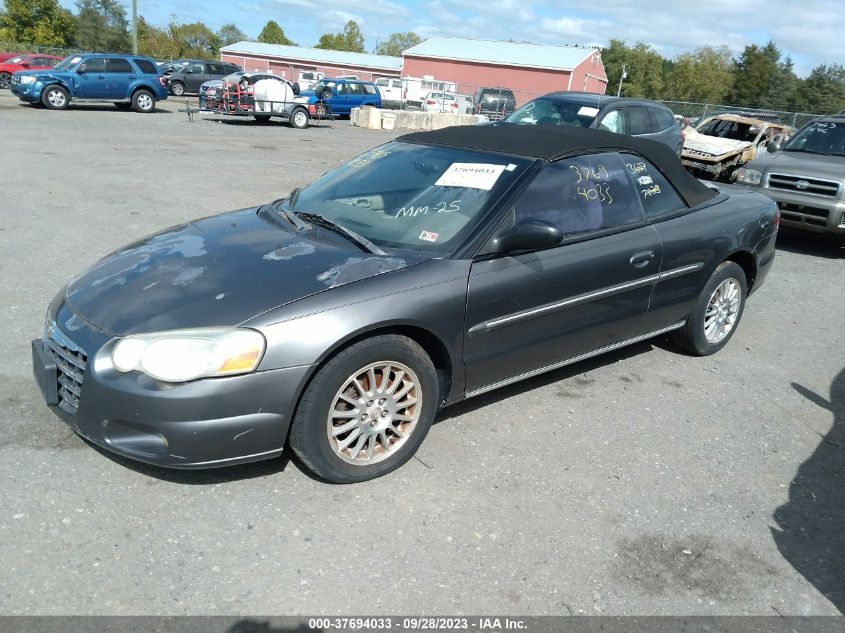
(429,236)
(75,60)
(470,175)
(510,167)
(588,111)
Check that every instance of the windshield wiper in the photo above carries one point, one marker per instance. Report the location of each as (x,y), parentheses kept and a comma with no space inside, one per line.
(360,240)
(290,217)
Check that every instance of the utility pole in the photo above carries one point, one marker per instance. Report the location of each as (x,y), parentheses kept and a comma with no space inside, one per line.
(134,27)
(624,74)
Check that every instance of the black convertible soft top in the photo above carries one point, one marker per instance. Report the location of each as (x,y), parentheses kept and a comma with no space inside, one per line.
(549,142)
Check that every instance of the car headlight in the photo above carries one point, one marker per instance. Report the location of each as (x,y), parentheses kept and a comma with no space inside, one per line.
(183,355)
(28,79)
(749,176)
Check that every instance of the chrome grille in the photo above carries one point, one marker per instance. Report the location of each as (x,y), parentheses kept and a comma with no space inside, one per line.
(71,362)
(788,182)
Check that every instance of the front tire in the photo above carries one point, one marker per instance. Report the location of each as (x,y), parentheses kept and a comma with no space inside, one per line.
(55,98)
(717,312)
(143,101)
(299,119)
(177,88)
(367,410)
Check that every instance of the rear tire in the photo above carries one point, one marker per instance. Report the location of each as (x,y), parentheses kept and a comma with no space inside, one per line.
(299,119)
(5,80)
(177,88)
(717,312)
(367,410)
(55,97)
(143,101)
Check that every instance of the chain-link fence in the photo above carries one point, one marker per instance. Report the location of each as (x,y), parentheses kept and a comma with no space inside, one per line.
(17,47)
(698,111)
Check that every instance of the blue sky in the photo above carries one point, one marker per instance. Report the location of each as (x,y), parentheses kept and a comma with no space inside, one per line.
(812,32)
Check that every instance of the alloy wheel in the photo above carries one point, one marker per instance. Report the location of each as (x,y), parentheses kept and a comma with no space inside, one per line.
(374,413)
(722,310)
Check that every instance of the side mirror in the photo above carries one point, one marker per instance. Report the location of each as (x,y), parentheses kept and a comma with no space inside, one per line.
(190,71)
(81,70)
(773,146)
(25,64)
(528,235)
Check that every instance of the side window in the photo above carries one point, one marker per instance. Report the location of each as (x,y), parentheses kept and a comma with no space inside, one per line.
(195,68)
(354,89)
(146,66)
(369,89)
(582,194)
(656,194)
(661,119)
(612,122)
(119,65)
(214,69)
(637,121)
(95,65)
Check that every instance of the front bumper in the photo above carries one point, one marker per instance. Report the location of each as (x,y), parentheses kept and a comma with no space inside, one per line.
(200,424)
(30,93)
(810,212)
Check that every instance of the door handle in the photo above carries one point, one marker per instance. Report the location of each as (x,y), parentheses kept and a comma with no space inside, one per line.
(131,76)
(101,76)
(641,259)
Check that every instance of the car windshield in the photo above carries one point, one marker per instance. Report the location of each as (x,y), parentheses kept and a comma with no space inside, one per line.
(727,128)
(819,137)
(68,62)
(409,196)
(16,60)
(553,112)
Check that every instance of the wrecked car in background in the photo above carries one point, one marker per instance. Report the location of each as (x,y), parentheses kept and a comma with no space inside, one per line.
(721,144)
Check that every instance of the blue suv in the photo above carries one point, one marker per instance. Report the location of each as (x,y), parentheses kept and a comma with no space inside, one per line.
(128,81)
(345,95)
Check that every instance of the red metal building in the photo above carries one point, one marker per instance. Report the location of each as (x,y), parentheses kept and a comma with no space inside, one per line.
(289,61)
(529,70)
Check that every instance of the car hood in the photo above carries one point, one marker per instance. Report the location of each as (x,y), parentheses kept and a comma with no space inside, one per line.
(801,164)
(220,270)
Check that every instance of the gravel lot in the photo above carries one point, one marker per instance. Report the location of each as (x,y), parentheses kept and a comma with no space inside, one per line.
(642,482)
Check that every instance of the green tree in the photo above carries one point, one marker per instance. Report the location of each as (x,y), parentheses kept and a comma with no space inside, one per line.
(643,68)
(754,71)
(783,87)
(157,42)
(350,39)
(196,40)
(101,25)
(823,91)
(229,34)
(705,74)
(398,42)
(272,33)
(39,22)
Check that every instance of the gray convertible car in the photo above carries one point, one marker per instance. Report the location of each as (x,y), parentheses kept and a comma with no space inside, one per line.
(428,270)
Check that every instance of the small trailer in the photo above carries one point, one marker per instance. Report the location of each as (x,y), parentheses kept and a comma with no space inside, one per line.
(264,99)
